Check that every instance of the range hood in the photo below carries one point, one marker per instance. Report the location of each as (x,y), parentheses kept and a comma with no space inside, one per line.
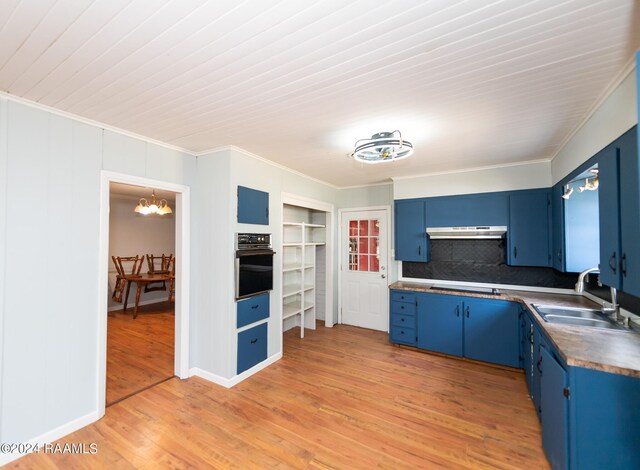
(484,232)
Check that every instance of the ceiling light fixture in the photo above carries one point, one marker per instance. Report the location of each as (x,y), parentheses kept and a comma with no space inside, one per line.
(154,206)
(568,191)
(382,147)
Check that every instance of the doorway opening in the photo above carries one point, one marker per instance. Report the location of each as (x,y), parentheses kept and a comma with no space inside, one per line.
(144,279)
(141,320)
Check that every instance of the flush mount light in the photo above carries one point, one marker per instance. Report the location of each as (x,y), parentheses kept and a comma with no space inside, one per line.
(154,206)
(382,147)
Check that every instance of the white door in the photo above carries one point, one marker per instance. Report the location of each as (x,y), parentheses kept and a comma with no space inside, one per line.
(364,287)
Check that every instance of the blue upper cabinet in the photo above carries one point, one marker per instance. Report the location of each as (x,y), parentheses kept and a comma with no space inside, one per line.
(619,208)
(528,235)
(609,208)
(557,228)
(253,206)
(410,231)
(468,210)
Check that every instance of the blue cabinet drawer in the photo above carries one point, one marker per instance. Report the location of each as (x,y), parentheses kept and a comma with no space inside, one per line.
(403,308)
(403,296)
(403,335)
(406,321)
(252,310)
(252,347)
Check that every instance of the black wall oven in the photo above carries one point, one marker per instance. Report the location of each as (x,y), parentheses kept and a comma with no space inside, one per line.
(254,264)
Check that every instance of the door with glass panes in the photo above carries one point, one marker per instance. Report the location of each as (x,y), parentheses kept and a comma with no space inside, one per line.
(364,281)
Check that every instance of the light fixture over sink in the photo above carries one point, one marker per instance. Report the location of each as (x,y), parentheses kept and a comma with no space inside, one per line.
(382,147)
(153,206)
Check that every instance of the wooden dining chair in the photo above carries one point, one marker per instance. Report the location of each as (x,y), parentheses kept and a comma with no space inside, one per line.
(121,274)
(164,268)
(172,281)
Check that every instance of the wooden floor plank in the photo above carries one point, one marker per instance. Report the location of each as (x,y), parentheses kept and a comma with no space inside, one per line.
(342,397)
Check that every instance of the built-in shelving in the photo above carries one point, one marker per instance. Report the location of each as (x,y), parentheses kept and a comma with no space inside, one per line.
(300,241)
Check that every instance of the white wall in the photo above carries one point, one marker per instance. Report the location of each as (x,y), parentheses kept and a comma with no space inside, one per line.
(617,114)
(133,234)
(483,180)
(50,193)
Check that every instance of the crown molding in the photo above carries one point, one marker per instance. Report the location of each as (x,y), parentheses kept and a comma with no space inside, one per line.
(478,168)
(91,122)
(628,68)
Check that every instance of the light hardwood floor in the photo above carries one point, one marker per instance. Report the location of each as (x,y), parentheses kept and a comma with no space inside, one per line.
(343,397)
(140,351)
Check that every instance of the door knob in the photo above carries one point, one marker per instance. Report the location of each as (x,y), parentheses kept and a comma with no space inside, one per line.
(383,276)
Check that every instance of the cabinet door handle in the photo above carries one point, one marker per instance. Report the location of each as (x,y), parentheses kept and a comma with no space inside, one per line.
(612,262)
(402,320)
(467,311)
(539,364)
(530,335)
(419,250)
(254,306)
(515,251)
(623,264)
(254,340)
(457,310)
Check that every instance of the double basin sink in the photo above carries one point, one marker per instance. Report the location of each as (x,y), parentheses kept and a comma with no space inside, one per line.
(577,316)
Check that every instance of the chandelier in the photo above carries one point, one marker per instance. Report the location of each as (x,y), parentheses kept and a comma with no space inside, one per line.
(382,147)
(153,206)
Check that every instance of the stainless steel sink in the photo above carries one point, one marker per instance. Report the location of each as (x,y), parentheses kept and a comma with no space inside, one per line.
(577,316)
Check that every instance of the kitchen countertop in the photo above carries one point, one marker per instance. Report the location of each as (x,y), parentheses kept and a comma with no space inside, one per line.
(617,352)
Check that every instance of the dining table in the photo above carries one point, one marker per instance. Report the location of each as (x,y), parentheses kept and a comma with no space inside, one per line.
(143,281)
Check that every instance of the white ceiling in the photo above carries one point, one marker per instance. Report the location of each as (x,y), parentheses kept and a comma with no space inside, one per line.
(134,193)
(470,83)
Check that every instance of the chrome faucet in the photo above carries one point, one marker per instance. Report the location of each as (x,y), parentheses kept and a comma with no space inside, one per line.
(614,308)
(580,284)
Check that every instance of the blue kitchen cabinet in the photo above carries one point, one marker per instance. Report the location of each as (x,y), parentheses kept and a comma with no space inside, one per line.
(402,318)
(619,208)
(609,204)
(528,235)
(526,340)
(481,329)
(252,310)
(468,210)
(410,231)
(539,342)
(252,347)
(554,409)
(440,323)
(253,206)
(491,331)
(557,228)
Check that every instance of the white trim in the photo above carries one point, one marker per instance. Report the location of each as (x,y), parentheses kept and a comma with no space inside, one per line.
(314,204)
(228,383)
(55,434)
(547,290)
(628,68)
(477,168)
(91,122)
(387,209)
(182,229)
(4,162)
(357,186)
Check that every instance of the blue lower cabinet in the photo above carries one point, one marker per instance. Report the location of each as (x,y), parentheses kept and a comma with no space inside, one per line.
(440,323)
(491,331)
(252,347)
(402,321)
(527,349)
(554,407)
(539,342)
(252,310)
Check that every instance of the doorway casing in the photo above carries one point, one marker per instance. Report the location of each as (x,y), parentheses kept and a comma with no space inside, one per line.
(182,214)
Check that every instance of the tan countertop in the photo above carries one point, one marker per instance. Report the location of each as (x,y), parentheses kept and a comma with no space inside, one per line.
(612,351)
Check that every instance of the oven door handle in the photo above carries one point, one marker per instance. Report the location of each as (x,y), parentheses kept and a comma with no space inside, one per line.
(243,253)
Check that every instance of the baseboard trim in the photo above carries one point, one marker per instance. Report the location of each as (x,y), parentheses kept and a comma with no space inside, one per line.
(140,304)
(228,383)
(55,434)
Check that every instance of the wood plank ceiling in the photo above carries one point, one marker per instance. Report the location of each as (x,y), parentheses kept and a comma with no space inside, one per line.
(471,83)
